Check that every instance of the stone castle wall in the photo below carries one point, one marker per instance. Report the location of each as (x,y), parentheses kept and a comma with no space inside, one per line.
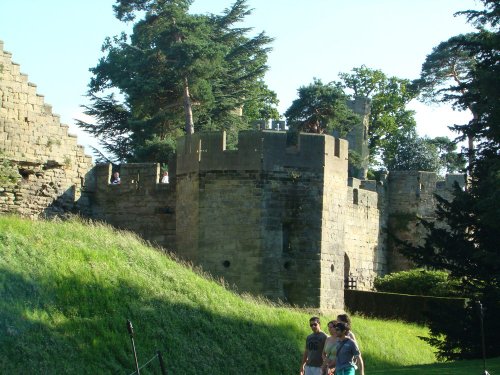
(258,210)
(140,203)
(273,218)
(411,196)
(52,166)
(365,227)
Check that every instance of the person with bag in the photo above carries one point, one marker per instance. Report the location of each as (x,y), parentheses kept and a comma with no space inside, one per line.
(347,351)
(346,319)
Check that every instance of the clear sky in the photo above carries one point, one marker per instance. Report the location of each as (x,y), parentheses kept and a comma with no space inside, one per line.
(57,41)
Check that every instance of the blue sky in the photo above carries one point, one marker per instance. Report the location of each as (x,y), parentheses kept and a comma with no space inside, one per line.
(57,41)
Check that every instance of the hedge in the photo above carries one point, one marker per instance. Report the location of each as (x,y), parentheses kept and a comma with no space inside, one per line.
(398,306)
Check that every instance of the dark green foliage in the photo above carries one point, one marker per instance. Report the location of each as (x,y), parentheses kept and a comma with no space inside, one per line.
(449,159)
(444,70)
(321,108)
(462,330)
(9,175)
(114,134)
(410,308)
(409,152)
(178,72)
(468,248)
(447,368)
(419,282)
(390,121)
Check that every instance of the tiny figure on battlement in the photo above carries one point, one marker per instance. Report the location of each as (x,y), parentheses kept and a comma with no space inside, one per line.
(164,178)
(115,179)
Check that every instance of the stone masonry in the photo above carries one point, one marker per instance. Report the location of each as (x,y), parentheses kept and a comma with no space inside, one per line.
(274,218)
(52,166)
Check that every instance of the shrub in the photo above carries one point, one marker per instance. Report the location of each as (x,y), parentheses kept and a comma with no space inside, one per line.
(8,173)
(419,282)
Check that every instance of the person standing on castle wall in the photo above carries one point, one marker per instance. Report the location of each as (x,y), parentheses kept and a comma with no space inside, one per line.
(312,360)
(344,318)
(164,179)
(115,179)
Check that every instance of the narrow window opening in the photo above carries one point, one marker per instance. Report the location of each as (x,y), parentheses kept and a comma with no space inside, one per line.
(286,243)
(355,196)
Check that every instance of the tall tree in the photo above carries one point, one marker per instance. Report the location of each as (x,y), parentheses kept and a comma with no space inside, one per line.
(446,76)
(411,152)
(450,160)
(468,247)
(321,108)
(176,71)
(390,120)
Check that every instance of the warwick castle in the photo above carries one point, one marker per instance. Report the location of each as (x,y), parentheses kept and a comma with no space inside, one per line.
(287,221)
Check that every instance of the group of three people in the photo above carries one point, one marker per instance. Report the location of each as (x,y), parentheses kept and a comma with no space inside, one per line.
(338,352)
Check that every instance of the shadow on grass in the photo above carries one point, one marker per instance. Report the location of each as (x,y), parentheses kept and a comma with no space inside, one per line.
(61,325)
(447,368)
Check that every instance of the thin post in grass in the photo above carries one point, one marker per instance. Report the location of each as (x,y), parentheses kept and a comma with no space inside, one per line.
(131,333)
(162,365)
(481,316)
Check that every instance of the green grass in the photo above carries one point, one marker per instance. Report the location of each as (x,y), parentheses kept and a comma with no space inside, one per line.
(67,288)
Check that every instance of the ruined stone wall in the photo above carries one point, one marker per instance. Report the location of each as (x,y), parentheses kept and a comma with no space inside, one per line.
(410,197)
(52,166)
(139,203)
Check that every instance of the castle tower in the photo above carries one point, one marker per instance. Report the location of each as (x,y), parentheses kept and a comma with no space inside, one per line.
(256,215)
(358,137)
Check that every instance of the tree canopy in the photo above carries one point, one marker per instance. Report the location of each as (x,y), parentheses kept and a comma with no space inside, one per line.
(468,246)
(446,76)
(390,121)
(321,108)
(392,137)
(176,73)
(411,152)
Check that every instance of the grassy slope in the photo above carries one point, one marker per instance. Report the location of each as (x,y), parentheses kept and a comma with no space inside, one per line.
(67,288)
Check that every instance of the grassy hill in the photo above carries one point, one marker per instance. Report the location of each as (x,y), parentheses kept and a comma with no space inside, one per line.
(67,288)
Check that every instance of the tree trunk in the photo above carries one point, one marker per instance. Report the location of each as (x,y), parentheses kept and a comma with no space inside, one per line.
(470,154)
(188,109)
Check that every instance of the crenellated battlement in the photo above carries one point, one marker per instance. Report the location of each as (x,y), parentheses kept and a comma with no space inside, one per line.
(259,150)
(450,180)
(363,192)
(133,176)
(420,182)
